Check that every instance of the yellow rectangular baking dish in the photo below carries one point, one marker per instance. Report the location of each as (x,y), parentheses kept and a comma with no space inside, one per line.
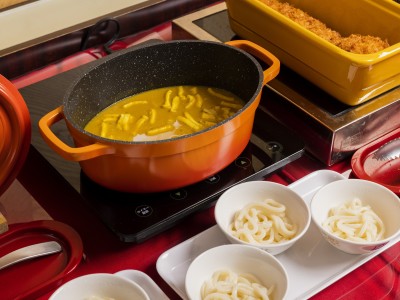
(350,78)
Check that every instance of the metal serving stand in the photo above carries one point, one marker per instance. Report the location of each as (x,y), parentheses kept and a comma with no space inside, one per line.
(331,130)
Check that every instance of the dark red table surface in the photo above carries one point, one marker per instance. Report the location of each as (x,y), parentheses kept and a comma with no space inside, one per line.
(376,279)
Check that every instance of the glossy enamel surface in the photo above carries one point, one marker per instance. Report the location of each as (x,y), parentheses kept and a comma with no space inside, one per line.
(166,164)
(15,132)
(365,164)
(350,78)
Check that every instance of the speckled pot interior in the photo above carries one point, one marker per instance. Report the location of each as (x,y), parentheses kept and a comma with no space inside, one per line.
(161,64)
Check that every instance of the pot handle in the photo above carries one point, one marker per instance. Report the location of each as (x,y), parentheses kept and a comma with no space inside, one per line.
(261,53)
(67,152)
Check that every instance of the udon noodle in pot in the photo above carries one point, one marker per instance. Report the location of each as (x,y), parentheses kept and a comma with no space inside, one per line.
(354,221)
(164,113)
(263,223)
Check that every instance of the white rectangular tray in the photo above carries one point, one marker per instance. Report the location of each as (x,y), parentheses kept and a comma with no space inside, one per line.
(312,263)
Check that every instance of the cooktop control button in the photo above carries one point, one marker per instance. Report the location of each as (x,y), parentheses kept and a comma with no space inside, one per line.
(213,179)
(144,211)
(178,195)
(274,150)
(273,147)
(243,162)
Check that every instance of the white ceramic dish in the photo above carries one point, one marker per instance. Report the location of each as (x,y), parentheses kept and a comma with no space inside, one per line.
(312,263)
(238,259)
(145,282)
(243,194)
(382,201)
(100,286)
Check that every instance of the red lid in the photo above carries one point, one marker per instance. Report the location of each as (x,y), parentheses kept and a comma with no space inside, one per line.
(385,172)
(35,277)
(15,133)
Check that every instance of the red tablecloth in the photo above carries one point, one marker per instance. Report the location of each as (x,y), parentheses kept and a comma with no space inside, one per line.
(376,279)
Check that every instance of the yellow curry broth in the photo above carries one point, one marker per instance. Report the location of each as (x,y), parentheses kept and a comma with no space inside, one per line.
(164,113)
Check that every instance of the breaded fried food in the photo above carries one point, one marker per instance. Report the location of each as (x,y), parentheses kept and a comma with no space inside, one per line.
(355,43)
(362,44)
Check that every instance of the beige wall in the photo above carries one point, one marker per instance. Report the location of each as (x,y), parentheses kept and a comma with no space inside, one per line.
(34,22)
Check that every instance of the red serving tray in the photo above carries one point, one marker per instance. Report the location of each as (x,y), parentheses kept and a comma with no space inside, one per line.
(32,278)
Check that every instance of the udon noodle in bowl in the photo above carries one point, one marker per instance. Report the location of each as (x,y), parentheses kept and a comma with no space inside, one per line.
(356,216)
(262,214)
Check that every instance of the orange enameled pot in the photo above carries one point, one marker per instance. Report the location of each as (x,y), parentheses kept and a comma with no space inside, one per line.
(15,133)
(143,167)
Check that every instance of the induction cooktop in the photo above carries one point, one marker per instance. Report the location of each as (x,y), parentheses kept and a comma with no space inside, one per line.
(137,217)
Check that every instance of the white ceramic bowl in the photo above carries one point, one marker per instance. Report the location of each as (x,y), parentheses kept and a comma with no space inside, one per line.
(242,194)
(382,201)
(239,259)
(100,285)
